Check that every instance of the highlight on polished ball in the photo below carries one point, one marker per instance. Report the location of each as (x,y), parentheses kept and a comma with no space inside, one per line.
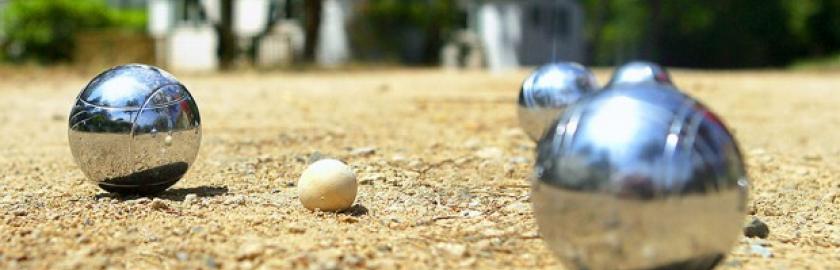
(639,177)
(639,72)
(134,129)
(548,91)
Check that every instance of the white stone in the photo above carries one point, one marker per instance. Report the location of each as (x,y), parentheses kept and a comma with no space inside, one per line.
(452,249)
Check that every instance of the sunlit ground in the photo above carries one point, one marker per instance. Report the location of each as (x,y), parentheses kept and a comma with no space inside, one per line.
(446,186)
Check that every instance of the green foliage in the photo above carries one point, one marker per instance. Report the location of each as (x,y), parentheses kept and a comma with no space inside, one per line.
(823,63)
(44,30)
(396,12)
(131,19)
(709,33)
(798,13)
(393,28)
(620,36)
(712,33)
(741,33)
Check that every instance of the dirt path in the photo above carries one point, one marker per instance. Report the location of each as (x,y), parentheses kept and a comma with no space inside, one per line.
(446,186)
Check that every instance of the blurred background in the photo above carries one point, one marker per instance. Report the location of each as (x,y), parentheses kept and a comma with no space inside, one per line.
(211,35)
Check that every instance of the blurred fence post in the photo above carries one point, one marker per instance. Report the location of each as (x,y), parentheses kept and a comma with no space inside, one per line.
(160,23)
(499,47)
(332,49)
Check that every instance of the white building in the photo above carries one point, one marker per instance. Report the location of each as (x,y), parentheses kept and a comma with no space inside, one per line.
(524,32)
(188,40)
(500,34)
(185,37)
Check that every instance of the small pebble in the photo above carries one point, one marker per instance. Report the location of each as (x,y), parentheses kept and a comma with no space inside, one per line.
(158,204)
(508,168)
(514,133)
(235,200)
(296,229)
(210,262)
(315,156)
(416,165)
(453,250)
(371,178)
(190,199)
(813,157)
(831,196)
(761,250)
(363,151)
(492,232)
(518,207)
(519,160)
(348,219)
(490,153)
(756,228)
(835,238)
(470,213)
(141,200)
(384,248)
(353,260)
(264,158)
(19,212)
(472,143)
(250,250)
(399,158)
(82,240)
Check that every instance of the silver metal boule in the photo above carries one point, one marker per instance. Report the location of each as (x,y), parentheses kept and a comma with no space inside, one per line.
(639,177)
(548,90)
(639,72)
(134,129)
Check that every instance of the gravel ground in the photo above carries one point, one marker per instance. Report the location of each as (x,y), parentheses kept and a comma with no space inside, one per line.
(442,164)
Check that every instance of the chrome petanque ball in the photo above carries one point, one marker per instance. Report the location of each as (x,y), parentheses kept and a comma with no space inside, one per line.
(134,129)
(637,72)
(639,177)
(548,91)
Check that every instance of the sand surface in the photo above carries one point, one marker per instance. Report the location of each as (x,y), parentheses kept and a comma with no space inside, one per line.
(442,164)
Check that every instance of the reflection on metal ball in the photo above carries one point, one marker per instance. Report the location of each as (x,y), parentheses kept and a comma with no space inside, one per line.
(548,91)
(639,72)
(639,177)
(134,129)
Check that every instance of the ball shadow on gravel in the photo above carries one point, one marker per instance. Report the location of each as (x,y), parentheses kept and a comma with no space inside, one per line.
(173,194)
(356,210)
(703,262)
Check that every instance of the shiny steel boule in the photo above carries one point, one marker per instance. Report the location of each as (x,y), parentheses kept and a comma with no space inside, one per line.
(639,72)
(134,129)
(548,91)
(639,177)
